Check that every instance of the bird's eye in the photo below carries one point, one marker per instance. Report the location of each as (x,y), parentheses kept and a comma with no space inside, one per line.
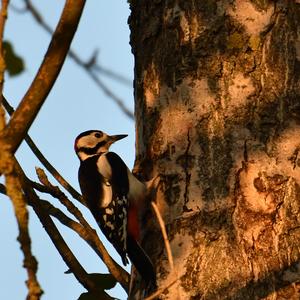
(98,135)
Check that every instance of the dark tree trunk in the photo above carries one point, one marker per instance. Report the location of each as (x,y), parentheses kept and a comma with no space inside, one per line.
(217,94)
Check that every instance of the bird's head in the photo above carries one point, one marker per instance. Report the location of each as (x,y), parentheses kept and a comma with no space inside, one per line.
(93,142)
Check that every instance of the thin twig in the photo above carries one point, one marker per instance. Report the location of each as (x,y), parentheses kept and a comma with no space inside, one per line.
(13,186)
(58,214)
(44,160)
(85,234)
(58,241)
(114,97)
(92,62)
(164,233)
(89,235)
(112,74)
(3,18)
(118,272)
(161,290)
(34,98)
(87,66)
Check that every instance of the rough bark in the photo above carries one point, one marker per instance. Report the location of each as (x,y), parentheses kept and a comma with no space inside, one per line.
(217,97)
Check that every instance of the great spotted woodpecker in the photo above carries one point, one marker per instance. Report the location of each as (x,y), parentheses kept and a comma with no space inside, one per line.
(114,196)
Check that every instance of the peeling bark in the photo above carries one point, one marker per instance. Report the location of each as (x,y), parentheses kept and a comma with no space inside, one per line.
(217,95)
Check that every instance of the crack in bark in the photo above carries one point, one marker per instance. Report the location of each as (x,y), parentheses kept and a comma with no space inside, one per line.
(246,151)
(187,174)
(294,157)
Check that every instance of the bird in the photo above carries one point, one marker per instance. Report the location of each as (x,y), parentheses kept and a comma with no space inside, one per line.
(114,196)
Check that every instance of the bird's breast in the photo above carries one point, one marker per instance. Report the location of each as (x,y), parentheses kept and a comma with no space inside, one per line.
(96,191)
(106,196)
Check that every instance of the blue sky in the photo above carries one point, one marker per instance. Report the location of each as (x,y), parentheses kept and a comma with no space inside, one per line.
(74,105)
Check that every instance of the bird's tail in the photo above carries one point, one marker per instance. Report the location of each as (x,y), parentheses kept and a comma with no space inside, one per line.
(141,261)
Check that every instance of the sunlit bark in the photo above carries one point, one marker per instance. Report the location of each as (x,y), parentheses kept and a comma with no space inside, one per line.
(217,96)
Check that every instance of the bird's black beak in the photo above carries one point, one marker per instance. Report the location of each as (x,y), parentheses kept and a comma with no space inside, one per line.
(114,138)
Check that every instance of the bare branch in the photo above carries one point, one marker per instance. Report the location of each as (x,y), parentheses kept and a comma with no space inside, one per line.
(87,233)
(118,272)
(27,110)
(110,94)
(88,66)
(13,188)
(3,18)
(16,130)
(111,74)
(58,241)
(161,290)
(164,233)
(44,160)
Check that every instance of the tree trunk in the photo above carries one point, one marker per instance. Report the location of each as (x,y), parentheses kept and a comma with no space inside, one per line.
(217,95)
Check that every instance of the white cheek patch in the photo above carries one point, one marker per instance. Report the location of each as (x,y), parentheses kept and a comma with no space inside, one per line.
(87,142)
